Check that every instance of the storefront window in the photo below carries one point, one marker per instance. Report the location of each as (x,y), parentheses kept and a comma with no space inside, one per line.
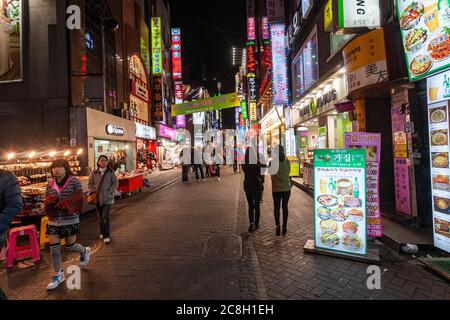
(119,153)
(337,42)
(305,67)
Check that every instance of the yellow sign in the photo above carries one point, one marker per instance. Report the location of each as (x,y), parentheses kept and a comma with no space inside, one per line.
(364,50)
(157,58)
(253,111)
(365,60)
(328,16)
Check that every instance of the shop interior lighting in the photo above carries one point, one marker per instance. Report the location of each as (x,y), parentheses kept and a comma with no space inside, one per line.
(11,155)
(80,151)
(32,154)
(52,154)
(67,153)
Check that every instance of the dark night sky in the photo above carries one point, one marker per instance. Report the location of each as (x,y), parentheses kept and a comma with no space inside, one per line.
(209,29)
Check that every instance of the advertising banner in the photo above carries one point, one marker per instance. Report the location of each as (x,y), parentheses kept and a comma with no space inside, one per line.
(340,200)
(230,100)
(425,28)
(438,120)
(372,143)
(157,58)
(359,14)
(279,64)
(11,40)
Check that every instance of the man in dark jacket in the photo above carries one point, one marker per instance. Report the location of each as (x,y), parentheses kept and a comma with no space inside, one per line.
(10,205)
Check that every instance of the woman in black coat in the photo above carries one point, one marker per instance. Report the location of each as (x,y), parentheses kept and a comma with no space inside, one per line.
(253,187)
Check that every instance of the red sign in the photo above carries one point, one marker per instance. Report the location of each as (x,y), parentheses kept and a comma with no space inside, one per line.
(176,54)
(178,92)
(251,28)
(251,61)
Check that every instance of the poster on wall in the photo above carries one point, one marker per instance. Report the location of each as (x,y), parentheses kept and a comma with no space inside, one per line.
(371,142)
(438,120)
(340,200)
(425,28)
(402,190)
(10,40)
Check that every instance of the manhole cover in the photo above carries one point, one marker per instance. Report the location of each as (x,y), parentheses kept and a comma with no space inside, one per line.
(223,247)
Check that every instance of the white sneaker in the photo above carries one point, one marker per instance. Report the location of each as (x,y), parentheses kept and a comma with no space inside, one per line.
(107,240)
(101,236)
(84,258)
(218,179)
(57,279)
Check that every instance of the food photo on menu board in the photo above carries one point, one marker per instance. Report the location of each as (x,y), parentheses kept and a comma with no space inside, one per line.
(425,27)
(441,182)
(439,160)
(340,193)
(442,227)
(441,204)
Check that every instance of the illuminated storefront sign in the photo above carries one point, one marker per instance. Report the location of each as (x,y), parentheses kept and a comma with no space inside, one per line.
(265,28)
(251,28)
(251,60)
(252,93)
(359,14)
(139,97)
(157,58)
(279,64)
(176,54)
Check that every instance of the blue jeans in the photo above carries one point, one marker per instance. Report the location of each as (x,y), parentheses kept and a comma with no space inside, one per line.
(103,219)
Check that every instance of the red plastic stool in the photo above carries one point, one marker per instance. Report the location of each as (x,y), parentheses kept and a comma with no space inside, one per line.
(15,252)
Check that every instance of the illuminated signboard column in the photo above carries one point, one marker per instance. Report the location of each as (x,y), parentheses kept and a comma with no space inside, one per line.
(157,65)
(279,64)
(177,73)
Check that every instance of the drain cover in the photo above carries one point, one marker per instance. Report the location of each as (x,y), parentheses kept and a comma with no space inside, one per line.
(223,247)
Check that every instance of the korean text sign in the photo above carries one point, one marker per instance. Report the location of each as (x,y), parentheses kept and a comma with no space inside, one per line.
(340,200)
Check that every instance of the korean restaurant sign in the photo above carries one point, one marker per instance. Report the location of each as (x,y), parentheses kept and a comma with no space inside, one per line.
(371,142)
(176,54)
(230,100)
(340,200)
(425,28)
(359,14)
(244,110)
(253,111)
(251,28)
(365,60)
(279,64)
(157,58)
(138,79)
(439,87)
(252,92)
(251,59)
(158,108)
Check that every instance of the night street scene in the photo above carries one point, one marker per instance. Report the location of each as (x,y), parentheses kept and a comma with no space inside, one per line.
(224,156)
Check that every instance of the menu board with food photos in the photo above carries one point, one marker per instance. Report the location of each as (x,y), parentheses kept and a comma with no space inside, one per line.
(440,173)
(340,200)
(425,27)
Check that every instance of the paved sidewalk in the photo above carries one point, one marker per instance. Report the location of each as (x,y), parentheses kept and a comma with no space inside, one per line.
(157,248)
(288,273)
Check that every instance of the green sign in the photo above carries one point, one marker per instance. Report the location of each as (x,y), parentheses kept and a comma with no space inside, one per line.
(216,103)
(425,28)
(244,110)
(340,200)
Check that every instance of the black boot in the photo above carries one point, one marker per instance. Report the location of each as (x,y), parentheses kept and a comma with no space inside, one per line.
(284,230)
(278,231)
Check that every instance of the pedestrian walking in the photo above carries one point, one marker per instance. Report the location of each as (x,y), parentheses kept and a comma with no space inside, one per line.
(198,164)
(281,188)
(253,186)
(185,157)
(207,160)
(10,205)
(235,160)
(217,160)
(103,183)
(63,205)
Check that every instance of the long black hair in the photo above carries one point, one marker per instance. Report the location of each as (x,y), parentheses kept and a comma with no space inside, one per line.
(250,156)
(279,151)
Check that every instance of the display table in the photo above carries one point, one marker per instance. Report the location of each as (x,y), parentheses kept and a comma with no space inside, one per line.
(131,183)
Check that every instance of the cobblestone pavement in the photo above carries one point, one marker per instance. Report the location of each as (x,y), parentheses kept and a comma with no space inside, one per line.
(288,273)
(183,242)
